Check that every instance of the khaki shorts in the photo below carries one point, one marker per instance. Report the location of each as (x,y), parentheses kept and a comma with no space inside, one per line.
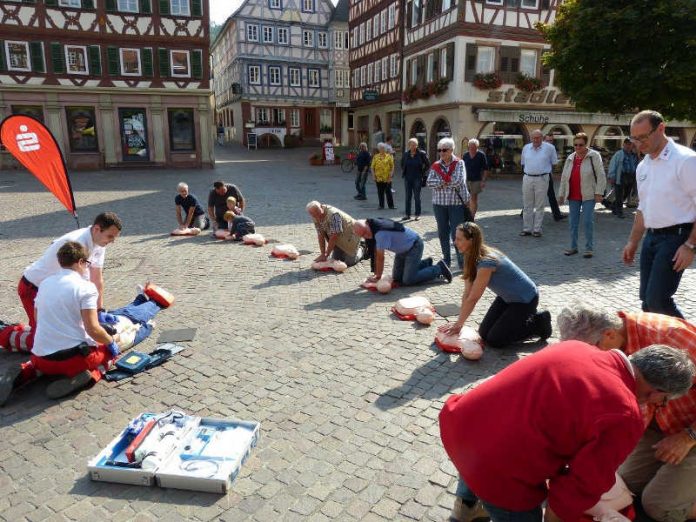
(474,187)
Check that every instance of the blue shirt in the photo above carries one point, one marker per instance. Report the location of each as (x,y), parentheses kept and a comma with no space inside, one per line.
(475,166)
(397,242)
(189,201)
(508,282)
(539,160)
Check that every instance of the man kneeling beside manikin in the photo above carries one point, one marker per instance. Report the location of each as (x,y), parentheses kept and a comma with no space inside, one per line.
(70,341)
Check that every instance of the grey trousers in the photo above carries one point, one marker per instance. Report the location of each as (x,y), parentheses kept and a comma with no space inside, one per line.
(340,255)
(668,492)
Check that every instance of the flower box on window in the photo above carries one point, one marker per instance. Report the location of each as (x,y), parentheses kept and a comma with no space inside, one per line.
(527,83)
(487,81)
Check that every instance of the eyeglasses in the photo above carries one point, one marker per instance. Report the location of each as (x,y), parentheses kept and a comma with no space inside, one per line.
(443,150)
(643,138)
(86,261)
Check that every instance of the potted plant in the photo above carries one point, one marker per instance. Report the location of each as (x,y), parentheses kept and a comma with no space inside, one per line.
(487,81)
(527,83)
(316,160)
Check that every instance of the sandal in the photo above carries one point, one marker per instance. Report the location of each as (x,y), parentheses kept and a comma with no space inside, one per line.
(571,251)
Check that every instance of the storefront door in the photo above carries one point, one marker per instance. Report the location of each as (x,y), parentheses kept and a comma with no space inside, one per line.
(134,139)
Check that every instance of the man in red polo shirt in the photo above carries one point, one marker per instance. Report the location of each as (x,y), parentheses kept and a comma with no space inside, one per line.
(662,468)
(566,416)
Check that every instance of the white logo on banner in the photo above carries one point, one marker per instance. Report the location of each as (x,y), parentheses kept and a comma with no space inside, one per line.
(27,141)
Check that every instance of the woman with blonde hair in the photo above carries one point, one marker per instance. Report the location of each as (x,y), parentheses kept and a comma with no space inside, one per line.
(382,171)
(513,316)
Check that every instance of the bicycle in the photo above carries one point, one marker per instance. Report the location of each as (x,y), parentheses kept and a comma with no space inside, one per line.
(348,164)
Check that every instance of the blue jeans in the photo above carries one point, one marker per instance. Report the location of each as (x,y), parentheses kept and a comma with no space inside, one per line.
(447,218)
(587,208)
(140,311)
(658,280)
(361,180)
(413,186)
(499,514)
(409,269)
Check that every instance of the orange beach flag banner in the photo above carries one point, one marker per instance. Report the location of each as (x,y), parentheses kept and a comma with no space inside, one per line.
(28,140)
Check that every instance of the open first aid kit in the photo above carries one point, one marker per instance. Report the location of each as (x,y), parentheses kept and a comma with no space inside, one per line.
(175,450)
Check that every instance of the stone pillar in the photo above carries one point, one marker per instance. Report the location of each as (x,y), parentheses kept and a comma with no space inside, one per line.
(206,125)
(54,122)
(108,135)
(157,133)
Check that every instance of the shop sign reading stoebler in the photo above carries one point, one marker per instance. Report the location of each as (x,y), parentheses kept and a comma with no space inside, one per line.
(550,96)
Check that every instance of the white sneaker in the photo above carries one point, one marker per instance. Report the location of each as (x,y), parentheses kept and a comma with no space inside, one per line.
(463,513)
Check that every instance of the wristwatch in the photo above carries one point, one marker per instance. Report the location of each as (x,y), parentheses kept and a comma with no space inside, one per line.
(690,246)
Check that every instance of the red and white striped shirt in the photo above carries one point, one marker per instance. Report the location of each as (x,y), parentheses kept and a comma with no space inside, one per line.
(644,329)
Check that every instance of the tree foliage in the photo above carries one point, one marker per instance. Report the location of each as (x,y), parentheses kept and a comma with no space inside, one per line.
(620,56)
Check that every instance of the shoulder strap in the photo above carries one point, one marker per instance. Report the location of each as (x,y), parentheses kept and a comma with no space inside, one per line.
(594,172)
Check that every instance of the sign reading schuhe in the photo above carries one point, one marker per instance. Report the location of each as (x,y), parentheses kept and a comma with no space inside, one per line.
(370,95)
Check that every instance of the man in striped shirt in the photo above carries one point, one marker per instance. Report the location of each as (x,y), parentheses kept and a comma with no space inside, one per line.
(662,468)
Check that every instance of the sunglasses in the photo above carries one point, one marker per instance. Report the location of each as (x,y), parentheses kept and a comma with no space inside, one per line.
(443,150)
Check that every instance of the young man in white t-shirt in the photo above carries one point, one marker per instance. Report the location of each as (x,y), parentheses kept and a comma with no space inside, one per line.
(104,231)
(69,340)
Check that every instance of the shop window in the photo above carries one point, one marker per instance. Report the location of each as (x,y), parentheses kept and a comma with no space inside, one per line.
(180,66)
(180,8)
(128,6)
(182,135)
(76,59)
(485,60)
(82,131)
(130,62)
(35,111)
(17,54)
(134,137)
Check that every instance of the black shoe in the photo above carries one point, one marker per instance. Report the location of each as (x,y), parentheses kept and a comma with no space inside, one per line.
(405,218)
(356,197)
(445,270)
(392,208)
(560,217)
(543,325)
(7,383)
(525,233)
(361,198)
(63,387)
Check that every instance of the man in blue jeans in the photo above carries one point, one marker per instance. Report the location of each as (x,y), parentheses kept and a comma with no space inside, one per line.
(666,214)
(409,269)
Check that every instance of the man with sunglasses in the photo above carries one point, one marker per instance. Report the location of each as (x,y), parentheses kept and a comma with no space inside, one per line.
(662,468)
(666,213)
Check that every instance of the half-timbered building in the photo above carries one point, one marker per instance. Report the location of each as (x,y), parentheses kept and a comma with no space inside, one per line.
(271,72)
(473,69)
(118,82)
(339,70)
(376,35)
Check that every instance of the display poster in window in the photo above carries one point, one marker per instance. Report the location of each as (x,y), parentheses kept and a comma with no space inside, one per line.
(81,129)
(35,111)
(134,140)
(251,140)
(181,129)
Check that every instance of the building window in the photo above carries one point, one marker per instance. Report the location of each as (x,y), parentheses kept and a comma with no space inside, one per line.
(346,79)
(322,40)
(279,117)
(17,54)
(275,4)
(283,35)
(446,5)
(385,68)
(351,120)
(295,118)
(361,36)
(362,75)
(262,115)
(313,77)
(414,71)
(391,20)
(338,40)
(485,60)
(267,34)
(308,38)
(274,75)
(252,33)
(375,25)
(443,62)
(35,111)
(416,11)
(180,8)
(254,74)
(368,32)
(325,119)
(346,43)
(134,138)
(81,129)
(338,79)
(369,73)
(130,62)
(129,6)
(528,59)
(393,66)
(494,2)
(182,132)
(308,6)
(76,59)
(378,70)
(383,21)
(70,3)
(429,73)
(180,64)
(294,74)
(530,4)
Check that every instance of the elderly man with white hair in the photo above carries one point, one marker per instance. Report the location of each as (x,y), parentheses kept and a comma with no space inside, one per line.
(447,179)
(662,468)
(335,234)
(193,217)
(538,159)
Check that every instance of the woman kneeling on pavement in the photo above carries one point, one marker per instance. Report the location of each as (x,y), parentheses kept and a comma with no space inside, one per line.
(513,315)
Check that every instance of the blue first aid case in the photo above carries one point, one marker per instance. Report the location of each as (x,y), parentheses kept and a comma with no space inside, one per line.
(133,362)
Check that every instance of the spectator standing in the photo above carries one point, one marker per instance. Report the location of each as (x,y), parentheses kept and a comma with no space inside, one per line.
(476,165)
(362,162)
(551,193)
(414,165)
(217,202)
(582,183)
(622,174)
(666,213)
(538,159)
(383,170)
(220,133)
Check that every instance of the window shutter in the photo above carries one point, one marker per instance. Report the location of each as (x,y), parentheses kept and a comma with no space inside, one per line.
(2,56)
(509,63)
(545,76)
(87,4)
(58,58)
(94,60)
(408,73)
(197,64)
(409,14)
(36,54)
(470,71)
(147,62)
(114,64)
(450,60)
(436,65)
(164,7)
(111,5)
(145,7)
(51,3)
(163,63)
(196,8)
(420,62)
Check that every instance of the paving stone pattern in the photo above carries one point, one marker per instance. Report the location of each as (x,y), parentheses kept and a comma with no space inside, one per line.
(347,396)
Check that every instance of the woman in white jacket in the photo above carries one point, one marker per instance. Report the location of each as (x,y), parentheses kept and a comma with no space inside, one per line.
(582,183)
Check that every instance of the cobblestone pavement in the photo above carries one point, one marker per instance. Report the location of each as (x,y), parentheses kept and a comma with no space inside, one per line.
(347,396)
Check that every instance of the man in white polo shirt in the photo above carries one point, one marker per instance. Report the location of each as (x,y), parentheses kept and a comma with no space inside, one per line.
(104,231)
(666,214)
(538,159)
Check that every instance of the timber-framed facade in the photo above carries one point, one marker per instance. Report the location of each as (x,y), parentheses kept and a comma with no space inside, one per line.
(120,83)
